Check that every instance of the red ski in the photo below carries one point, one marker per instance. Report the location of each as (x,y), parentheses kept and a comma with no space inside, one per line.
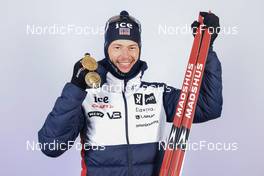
(185,109)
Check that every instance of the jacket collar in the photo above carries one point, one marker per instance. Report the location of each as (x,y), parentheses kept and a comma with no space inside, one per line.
(117,84)
(114,84)
(139,66)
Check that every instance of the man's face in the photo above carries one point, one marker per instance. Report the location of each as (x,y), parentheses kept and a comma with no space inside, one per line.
(123,54)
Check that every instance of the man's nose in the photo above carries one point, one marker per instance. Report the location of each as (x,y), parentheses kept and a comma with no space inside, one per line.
(125,53)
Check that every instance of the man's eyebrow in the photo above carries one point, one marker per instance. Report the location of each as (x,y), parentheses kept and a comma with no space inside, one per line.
(133,45)
(116,44)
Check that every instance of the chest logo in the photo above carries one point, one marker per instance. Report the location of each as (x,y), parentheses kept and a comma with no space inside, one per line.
(95,113)
(150,99)
(138,97)
(147,99)
(114,115)
(101,99)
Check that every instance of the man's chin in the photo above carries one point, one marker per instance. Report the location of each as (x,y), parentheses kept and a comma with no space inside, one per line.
(124,69)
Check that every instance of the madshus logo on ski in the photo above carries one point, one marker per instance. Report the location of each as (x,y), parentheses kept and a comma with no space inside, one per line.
(149,98)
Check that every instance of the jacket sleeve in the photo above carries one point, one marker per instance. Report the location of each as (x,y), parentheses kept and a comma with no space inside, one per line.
(209,103)
(63,123)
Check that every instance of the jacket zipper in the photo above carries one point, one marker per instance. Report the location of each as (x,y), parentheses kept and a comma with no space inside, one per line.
(129,157)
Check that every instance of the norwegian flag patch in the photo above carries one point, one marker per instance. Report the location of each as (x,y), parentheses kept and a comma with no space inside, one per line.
(124,31)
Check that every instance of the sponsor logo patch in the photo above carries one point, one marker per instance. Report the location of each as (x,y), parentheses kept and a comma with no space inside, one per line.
(146,116)
(138,97)
(114,115)
(148,98)
(147,124)
(95,113)
(102,106)
(101,99)
(145,110)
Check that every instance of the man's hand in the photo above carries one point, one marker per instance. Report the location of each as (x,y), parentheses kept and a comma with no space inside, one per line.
(78,77)
(210,21)
(87,73)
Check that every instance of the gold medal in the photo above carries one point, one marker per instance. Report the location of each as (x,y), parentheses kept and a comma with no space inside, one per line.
(93,79)
(89,63)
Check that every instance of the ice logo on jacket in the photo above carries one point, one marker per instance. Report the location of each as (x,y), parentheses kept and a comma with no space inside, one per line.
(148,99)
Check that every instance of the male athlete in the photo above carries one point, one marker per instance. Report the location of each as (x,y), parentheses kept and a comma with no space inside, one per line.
(122,122)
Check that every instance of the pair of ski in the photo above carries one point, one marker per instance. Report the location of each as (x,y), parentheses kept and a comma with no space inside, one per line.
(185,109)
